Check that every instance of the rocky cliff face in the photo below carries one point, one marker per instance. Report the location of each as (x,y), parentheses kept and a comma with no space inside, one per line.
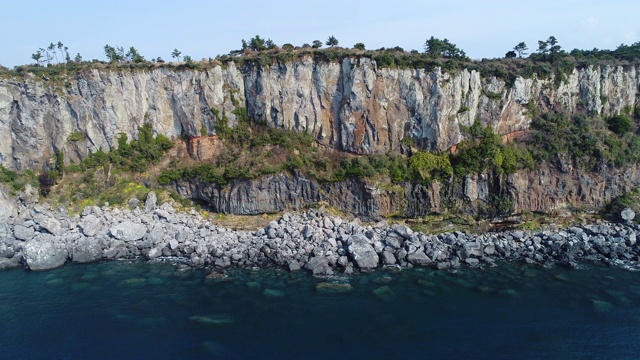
(282,192)
(351,105)
(545,190)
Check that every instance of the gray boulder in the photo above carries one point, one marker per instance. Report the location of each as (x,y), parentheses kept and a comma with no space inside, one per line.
(362,252)
(151,202)
(23,233)
(128,231)
(154,253)
(627,214)
(388,258)
(44,254)
(10,263)
(86,250)
(90,225)
(471,249)
(319,265)
(419,258)
(8,206)
(47,222)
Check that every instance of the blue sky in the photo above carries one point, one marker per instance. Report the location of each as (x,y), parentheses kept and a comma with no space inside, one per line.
(205,29)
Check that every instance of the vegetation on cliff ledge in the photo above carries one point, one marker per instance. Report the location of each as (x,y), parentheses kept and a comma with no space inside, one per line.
(549,59)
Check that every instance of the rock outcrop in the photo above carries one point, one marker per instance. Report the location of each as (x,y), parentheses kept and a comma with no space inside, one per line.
(544,190)
(352,105)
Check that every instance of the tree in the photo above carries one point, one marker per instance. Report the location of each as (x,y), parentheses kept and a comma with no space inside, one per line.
(359,46)
(521,49)
(78,58)
(317,44)
(332,41)
(269,44)
(111,53)
(134,55)
(51,48)
(61,48)
(510,54)
(47,55)
(436,47)
(37,56)
(554,48)
(176,54)
(543,49)
(259,44)
(549,49)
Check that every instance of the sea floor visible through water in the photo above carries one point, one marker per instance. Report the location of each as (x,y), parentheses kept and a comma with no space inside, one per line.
(139,310)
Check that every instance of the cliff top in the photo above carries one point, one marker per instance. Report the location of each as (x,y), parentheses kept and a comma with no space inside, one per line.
(542,63)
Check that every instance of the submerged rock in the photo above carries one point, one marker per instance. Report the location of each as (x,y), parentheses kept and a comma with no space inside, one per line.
(271,293)
(385,293)
(215,320)
(330,287)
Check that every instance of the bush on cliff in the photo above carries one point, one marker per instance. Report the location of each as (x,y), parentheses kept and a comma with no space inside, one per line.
(135,155)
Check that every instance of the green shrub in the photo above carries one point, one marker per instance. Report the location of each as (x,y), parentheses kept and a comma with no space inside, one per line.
(75,136)
(619,124)
(426,166)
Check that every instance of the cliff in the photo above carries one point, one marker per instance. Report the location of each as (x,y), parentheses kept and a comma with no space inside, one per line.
(544,190)
(350,105)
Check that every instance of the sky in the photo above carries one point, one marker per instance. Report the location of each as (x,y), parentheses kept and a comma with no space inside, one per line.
(203,29)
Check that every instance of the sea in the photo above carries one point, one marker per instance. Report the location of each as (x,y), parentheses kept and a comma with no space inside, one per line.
(141,310)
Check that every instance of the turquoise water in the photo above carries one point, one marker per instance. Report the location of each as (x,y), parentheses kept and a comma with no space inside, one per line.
(116,310)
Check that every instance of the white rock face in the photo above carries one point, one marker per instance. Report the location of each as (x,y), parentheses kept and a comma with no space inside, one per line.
(351,105)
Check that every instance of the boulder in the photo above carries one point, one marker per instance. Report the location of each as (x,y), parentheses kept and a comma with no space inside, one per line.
(8,206)
(471,249)
(9,263)
(319,265)
(23,233)
(151,202)
(44,254)
(294,265)
(154,253)
(362,252)
(419,258)
(86,250)
(128,231)
(402,230)
(44,218)
(388,258)
(90,225)
(333,288)
(627,214)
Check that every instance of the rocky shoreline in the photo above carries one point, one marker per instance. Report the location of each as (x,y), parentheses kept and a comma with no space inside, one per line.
(39,238)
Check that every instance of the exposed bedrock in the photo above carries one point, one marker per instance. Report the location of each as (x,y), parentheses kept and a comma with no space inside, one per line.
(351,105)
(545,190)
